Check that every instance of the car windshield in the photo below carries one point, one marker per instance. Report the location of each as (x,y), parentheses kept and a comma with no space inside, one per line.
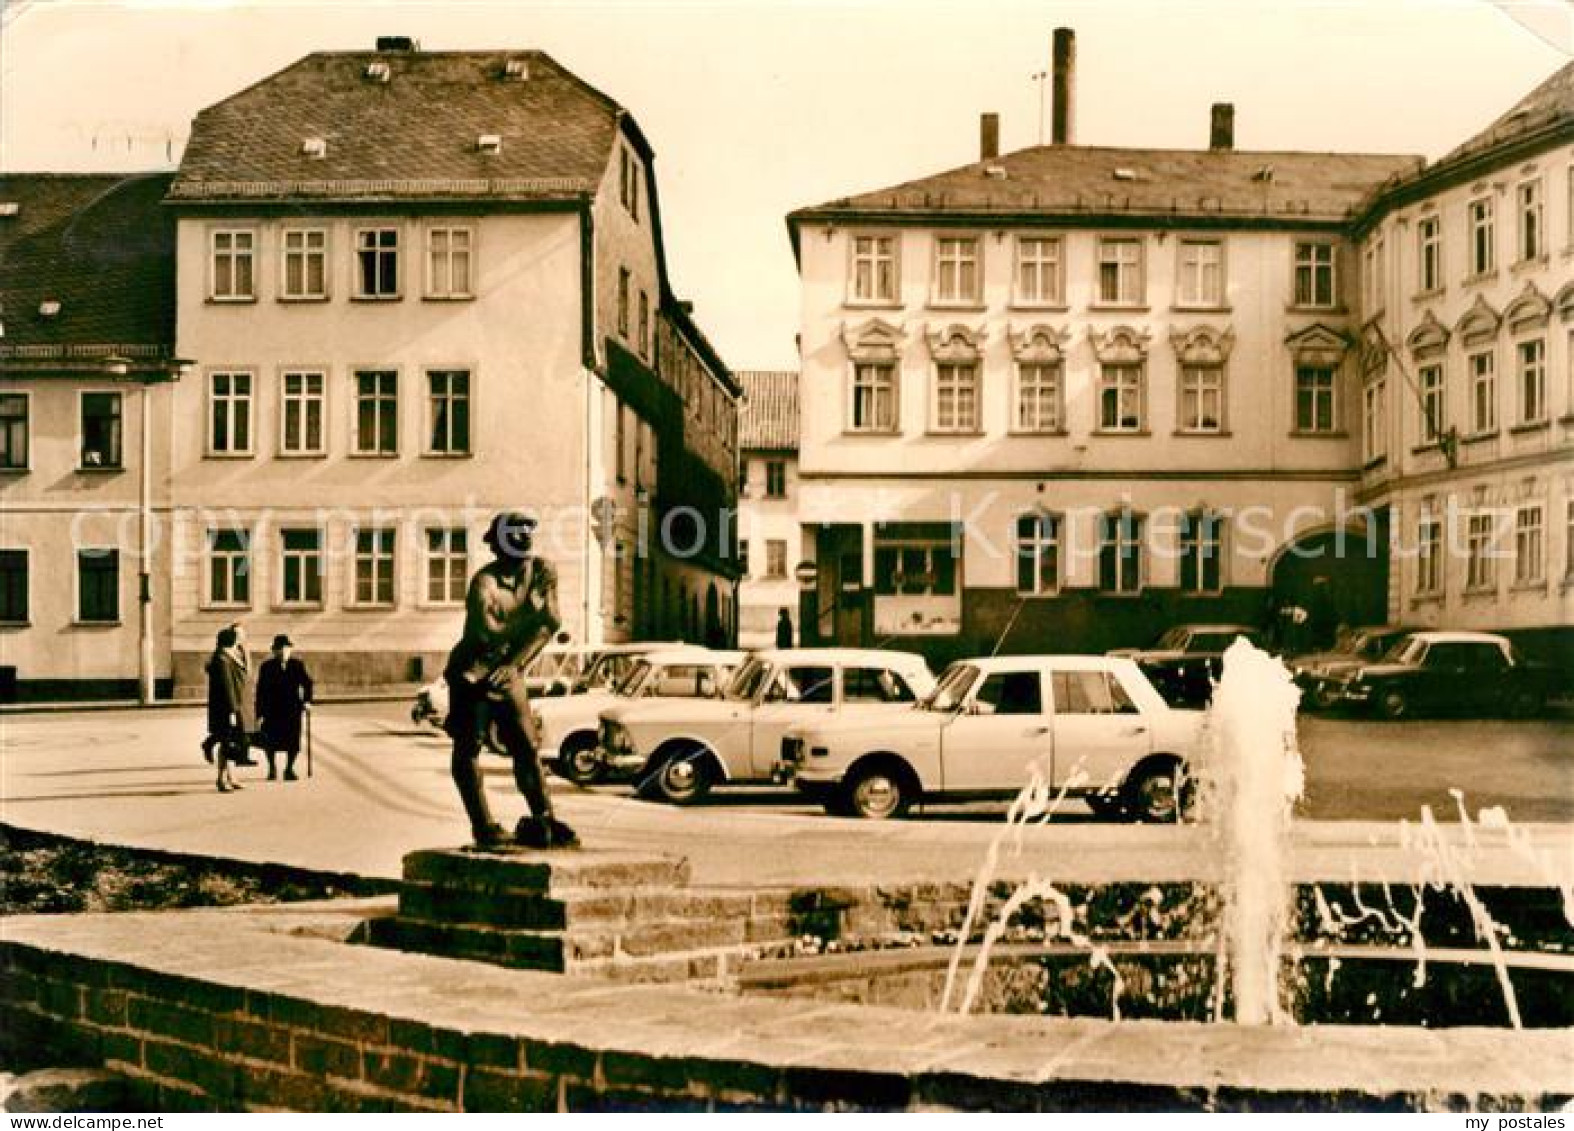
(955,682)
(746,684)
(1369,645)
(1407,650)
(606,671)
(1172,641)
(629,685)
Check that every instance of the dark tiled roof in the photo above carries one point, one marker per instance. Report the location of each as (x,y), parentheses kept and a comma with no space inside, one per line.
(1076,182)
(1547,105)
(768,418)
(103,247)
(414,135)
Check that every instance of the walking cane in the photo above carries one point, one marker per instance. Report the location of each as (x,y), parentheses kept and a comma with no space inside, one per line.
(308,742)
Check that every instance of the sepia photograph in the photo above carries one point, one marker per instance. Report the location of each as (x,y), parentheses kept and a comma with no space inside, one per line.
(810,556)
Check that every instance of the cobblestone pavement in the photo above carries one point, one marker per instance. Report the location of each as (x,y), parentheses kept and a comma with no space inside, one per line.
(381,789)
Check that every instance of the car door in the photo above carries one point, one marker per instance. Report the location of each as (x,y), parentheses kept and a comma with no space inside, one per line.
(1445,677)
(798,693)
(1100,733)
(1002,730)
(1487,683)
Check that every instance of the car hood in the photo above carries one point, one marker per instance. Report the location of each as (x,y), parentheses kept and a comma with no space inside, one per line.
(1329,663)
(1381,671)
(635,712)
(562,706)
(870,718)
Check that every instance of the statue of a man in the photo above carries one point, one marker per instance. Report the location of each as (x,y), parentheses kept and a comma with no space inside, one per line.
(510,615)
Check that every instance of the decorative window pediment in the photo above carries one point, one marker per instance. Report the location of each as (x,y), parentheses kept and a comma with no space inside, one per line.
(1564,301)
(1318,345)
(1120,344)
(954,342)
(1202,345)
(1479,322)
(1530,309)
(1039,343)
(872,340)
(1374,348)
(1430,336)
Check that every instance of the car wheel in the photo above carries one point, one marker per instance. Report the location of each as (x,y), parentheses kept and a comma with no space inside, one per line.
(1153,793)
(877,793)
(1393,704)
(1524,704)
(577,760)
(685,777)
(1106,807)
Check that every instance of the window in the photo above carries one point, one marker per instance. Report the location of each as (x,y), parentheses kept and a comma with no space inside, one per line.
(1038,397)
(775,479)
(1529,550)
(874,397)
(775,559)
(873,269)
(13,586)
(229,413)
(229,568)
(300,567)
(1010,693)
(1480,553)
(232,278)
(875,685)
(13,431)
(1120,272)
(1434,421)
(301,412)
(1374,421)
(98,586)
(374,567)
(447,566)
(1038,271)
(1120,398)
(1483,240)
(1568,539)
(743,557)
(956,397)
(913,570)
(448,399)
(1314,399)
(1532,230)
(1091,693)
(1201,273)
(623,302)
(1200,538)
(1429,556)
(1202,398)
(448,262)
(620,431)
(1120,553)
(377,263)
(305,274)
(1483,393)
(1038,554)
(101,430)
(1532,357)
(377,412)
(1429,266)
(644,324)
(1314,275)
(803,685)
(956,269)
(1377,273)
(628,182)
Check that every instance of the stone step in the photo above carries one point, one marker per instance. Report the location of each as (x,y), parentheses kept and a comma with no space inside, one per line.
(541,873)
(568,908)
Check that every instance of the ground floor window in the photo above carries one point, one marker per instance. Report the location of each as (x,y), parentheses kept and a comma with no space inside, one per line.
(447,565)
(1480,564)
(374,567)
(1201,537)
(1038,554)
(229,568)
(98,586)
(13,586)
(300,567)
(1429,556)
(1120,553)
(1529,555)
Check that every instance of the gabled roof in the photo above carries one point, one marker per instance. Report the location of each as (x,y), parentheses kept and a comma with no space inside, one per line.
(414,135)
(1548,104)
(1081,183)
(102,247)
(768,417)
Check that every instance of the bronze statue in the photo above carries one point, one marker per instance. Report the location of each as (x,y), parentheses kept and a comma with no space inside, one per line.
(510,615)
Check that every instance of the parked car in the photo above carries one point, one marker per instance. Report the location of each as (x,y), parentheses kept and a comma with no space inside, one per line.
(1446,672)
(568,723)
(1094,726)
(1353,648)
(678,749)
(1184,662)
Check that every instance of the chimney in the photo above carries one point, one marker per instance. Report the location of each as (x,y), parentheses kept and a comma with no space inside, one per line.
(399,43)
(1065,81)
(1221,134)
(988,137)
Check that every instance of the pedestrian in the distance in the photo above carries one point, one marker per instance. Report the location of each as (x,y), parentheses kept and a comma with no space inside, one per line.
(783,629)
(228,669)
(284,695)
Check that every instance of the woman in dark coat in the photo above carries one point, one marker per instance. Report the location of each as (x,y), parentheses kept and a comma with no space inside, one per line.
(284,695)
(228,669)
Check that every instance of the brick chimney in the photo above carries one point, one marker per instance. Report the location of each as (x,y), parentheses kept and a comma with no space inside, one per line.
(1221,134)
(988,137)
(1063,93)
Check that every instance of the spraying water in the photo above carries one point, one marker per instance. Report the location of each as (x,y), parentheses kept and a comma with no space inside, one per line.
(1252,777)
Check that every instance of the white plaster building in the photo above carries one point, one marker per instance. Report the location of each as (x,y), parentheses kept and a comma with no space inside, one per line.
(770,545)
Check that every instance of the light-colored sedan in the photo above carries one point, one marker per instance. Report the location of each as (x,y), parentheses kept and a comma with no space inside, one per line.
(1093,726)
(678,749)
(568,723)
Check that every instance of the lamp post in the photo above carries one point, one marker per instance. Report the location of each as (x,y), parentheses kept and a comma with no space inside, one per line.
(157,373)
